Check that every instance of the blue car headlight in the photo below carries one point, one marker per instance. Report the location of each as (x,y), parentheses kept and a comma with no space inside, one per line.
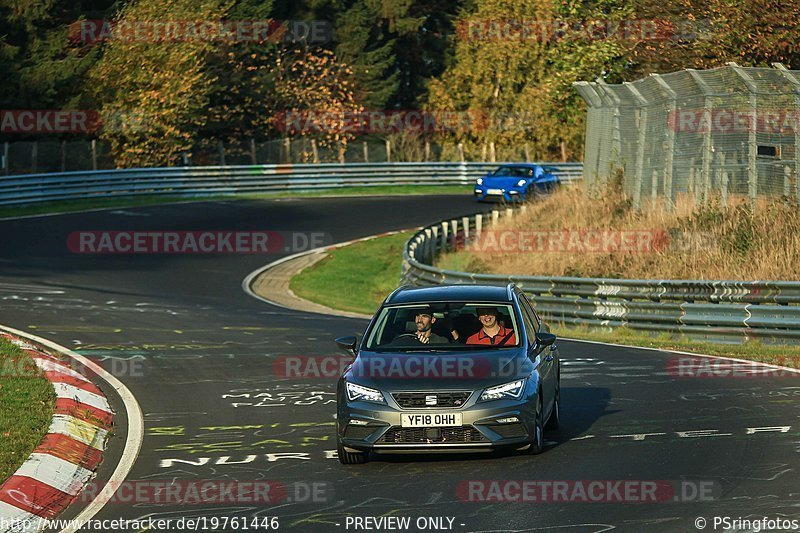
(511,391)
(359,393)
(480,181)
(521,183)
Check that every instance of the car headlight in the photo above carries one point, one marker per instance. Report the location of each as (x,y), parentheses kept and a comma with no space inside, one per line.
(357,392)
(480,181)
(511,390)
(521,183)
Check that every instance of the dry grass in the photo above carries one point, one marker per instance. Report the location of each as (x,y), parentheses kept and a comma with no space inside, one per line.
(732,242)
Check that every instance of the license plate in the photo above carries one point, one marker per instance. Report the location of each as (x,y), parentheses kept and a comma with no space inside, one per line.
(431,420)
(494,191)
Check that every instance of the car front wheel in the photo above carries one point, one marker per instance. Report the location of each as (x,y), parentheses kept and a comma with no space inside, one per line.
(537,439)
(350,458)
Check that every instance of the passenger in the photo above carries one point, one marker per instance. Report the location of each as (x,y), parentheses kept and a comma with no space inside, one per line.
(492,332)
(424,335)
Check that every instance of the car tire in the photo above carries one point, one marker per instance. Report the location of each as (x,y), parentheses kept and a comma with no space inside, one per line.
(350,458)
(530,193)
(537,439)
(555,416)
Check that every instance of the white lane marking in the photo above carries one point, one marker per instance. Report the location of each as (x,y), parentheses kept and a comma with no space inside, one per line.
(133,439)
(55,472)
(71,392)
(34,289)
(250,278)
(79,430)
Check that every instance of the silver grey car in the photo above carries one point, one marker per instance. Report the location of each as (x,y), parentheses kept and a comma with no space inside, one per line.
(464,368)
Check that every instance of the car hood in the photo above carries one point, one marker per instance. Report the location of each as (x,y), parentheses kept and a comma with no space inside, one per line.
(452,370)
(505,182)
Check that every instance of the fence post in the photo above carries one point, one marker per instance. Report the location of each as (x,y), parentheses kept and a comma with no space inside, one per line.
(94,154)
(342,148)
(492,155)
(314,153)
(796,84)
(669,157)
(483,153)
(478,225)
(460,148)
(723,186)
(63,156)
(427,150)
(253,157)
(654,186)
(221,150)
(527,153)
(495,217)
(388,151)
(465,223)
(641,125)
(6,162)
(287,150)
(752,143)
(787,181)
(366,152)
(34,157)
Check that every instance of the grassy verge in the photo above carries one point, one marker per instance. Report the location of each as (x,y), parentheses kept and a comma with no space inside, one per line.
(358,277)
(571,234)
(26,407)
(136,201)
(354,278)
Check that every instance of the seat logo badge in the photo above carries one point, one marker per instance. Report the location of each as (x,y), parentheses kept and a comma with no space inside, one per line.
(430,400)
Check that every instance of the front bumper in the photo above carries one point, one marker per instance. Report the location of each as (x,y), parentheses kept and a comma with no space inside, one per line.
(366,426)
(482,193)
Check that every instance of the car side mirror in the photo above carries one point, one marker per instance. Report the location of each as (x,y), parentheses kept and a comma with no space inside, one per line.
(543,340)
(348,344)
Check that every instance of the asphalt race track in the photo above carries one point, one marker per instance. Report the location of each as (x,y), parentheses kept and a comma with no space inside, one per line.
(198,353)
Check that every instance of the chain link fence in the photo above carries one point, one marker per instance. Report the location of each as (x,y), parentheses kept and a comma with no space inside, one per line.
(34,157)
(729,131)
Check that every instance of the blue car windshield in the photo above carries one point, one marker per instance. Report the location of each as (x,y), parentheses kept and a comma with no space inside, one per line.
(448,326)
(521,172)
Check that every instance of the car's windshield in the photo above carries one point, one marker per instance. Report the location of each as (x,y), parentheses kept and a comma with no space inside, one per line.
(443,326)
(514,171)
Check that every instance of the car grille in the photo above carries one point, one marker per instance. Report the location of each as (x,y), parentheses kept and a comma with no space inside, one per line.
(451,435)
(509,431)
(417,400)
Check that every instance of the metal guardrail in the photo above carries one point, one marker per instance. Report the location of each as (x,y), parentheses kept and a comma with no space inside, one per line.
(723,311)
(198,181)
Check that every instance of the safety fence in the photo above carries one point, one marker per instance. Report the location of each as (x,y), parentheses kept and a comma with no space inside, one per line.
(224,180)
(721,311)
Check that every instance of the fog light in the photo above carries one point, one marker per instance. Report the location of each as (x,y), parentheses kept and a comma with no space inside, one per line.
(508,420)
(357,422)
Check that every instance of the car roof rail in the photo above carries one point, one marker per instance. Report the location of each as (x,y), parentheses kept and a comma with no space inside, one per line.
(398,290)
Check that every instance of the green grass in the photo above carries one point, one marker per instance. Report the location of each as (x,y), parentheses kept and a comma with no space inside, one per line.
(358,277)
(27,401)
(136,201)
(354,278)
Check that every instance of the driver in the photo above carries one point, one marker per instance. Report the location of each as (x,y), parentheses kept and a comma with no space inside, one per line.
(424,321)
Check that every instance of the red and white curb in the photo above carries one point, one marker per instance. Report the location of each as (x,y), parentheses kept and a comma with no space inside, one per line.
(64,462)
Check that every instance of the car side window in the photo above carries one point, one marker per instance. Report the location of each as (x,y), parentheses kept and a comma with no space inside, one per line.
(531,319)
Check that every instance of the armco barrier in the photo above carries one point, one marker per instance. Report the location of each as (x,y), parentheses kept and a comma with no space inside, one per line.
(199,181)
(725,311)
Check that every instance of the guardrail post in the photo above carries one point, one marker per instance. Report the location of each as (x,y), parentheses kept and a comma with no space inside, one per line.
(434,243)
(478,225)
(445,235)
(428,255)
(495,216)
(509,212)
(454,237)
(465,223)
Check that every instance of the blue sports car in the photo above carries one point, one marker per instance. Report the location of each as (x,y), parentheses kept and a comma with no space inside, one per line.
(516,182)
